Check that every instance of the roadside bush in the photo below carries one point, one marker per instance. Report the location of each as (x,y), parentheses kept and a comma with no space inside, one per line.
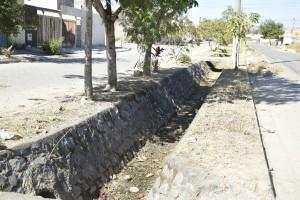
(7,52)
(53,47)
(184,58)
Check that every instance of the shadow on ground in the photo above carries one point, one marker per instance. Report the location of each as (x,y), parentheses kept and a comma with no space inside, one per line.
(127,85)
(173,130)
(286,90)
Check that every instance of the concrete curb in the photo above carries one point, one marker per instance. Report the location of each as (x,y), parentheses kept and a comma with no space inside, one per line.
(27,57)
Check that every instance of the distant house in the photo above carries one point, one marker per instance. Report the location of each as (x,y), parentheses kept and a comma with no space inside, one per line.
(55,18)
(295,32)
(254,36)
(291,35)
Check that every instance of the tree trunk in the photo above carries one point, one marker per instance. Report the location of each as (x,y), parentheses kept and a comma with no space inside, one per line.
(88,85)
(147,61)
(111,56)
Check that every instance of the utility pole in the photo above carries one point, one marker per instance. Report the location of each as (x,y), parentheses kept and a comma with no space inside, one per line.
(235,43)
(293,27)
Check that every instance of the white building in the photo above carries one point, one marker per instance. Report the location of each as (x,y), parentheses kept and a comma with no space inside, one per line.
(57,18)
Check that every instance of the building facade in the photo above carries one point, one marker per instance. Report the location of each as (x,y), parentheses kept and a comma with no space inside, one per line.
(56,18)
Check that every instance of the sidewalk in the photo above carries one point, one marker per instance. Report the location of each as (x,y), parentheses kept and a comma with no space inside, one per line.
(277,100)
(37,55)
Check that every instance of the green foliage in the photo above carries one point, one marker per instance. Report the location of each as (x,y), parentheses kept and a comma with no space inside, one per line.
(184,31)
(271,29)
(11,17)
(238,22)
(7,52)
(53,47)
(149,20)
(184,58)
(215,30)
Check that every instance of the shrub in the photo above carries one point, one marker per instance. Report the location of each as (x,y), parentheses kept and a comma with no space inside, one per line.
(53,47)
(184,58)
(7,52)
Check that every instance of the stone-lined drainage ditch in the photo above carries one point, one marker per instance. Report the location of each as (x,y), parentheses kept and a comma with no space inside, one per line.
(75,161)
(148,162)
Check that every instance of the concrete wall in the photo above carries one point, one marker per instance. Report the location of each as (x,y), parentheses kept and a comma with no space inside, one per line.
(98,31)
(72,162)
(19,39)
(98,26)
(79,4)
(49,4)
(65,3)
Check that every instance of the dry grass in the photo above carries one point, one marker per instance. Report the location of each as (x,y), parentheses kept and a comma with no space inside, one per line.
(252,52)
(264,68)
(294,45)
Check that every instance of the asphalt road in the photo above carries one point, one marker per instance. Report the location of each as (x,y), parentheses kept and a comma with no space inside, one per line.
(277,100)
(25,84)
(287,59)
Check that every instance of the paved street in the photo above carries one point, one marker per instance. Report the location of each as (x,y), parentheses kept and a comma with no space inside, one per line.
(27,83)
(278,104)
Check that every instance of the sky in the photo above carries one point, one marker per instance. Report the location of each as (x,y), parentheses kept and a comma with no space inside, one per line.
(283,11)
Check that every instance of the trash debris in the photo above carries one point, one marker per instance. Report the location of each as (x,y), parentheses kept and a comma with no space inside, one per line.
(141,158)
(149,175)
(267,130)
(5,135)
(133,189)
(140,196)
(103,197)
(61,108)
(127,178)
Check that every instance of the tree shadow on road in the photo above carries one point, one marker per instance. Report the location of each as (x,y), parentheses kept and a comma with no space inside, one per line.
(128,85)
(275,90)
(62,60)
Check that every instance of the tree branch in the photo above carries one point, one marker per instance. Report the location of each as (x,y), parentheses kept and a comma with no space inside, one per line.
(100,9)
(108,7)
(117,12)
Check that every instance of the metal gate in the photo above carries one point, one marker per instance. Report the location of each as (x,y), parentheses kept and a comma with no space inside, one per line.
(49,28)
(31,38)
(68,32)
(3,41)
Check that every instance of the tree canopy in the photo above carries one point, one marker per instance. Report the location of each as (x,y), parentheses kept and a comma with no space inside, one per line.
(239,23)
(271,29)
(149,20)
(215,30)
(11,17)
